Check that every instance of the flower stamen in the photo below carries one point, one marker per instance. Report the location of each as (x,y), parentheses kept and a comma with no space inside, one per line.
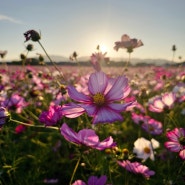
(99,99)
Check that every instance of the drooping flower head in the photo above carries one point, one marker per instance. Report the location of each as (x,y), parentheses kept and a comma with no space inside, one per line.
(127,43)
(176,141)
(100,102)
(32,35)
(86,137)
(3,53)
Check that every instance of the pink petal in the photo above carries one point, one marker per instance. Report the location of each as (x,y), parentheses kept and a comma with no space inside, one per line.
(97,82)
(106,115)
(117,90)
(77,96)
(173,146)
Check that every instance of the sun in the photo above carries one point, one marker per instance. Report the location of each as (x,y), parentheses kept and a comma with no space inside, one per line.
(103,48)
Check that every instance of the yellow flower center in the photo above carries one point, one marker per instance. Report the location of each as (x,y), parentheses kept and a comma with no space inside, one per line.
(147,150)
(99,99)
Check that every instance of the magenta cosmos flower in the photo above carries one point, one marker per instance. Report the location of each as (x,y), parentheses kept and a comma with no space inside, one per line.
(93,180)
(100,102)
(137,168)
(127,43)
(51,116)
(86,137)
(176,141)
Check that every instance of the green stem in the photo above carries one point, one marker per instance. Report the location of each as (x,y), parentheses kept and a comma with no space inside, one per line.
(74,171)
(51,60)
(30,125)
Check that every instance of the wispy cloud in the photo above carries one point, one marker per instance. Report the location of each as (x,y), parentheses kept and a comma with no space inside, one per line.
(10,19)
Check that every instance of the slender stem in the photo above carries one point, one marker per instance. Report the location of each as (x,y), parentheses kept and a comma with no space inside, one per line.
(51,60)
(30,125)
(74,171)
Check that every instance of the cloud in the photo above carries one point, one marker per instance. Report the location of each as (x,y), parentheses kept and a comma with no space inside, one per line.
(10,19)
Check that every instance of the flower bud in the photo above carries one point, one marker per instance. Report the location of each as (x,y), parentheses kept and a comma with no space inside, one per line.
(32,35)
(4,116)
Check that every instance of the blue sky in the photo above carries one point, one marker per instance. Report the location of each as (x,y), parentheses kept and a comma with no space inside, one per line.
(81,25)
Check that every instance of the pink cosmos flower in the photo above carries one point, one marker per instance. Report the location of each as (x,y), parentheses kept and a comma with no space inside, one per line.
(137,168)
(176,141)
(93,180)
(51,116)
(15,102)
(100,102)
(4,115)
(150,125)
(161,103)
(20,128)
(86,137)
(127,43)
(97,59)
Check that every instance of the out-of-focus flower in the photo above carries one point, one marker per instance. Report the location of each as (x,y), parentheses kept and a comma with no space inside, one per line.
(152,126)
(176,141)
(143,148)
(127,43)
(4,116)
(3,53)
(93,180)
(20,128)
(32,35)
(103,92)
(15,103)
(86,137)
(136,168)
(51,116)
(97,59)
(161,103)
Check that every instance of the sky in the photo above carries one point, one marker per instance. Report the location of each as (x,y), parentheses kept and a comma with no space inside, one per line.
(80,25)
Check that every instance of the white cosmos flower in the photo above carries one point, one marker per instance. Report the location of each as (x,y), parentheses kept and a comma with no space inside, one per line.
(143,148)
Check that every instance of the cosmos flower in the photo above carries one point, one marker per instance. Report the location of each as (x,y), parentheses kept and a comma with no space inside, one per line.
(51,116)
(127,43)
(103,93)
(86,137)
(143,148)
(4,115)
(152,126)
(137,168)
(161,103)
(15,103)
(97,59)
(93,180)
(176,141)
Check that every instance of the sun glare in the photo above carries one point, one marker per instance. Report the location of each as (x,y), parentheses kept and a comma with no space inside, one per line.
(103,48)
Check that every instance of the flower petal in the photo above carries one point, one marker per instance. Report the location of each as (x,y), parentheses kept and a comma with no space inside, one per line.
(77,96)
(106,115)
(117,90)
(97,82)
(69,134)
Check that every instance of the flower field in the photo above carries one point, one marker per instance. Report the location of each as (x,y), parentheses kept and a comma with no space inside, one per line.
(76,125)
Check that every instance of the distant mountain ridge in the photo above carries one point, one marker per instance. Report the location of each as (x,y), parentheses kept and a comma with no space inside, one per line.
(58,58)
